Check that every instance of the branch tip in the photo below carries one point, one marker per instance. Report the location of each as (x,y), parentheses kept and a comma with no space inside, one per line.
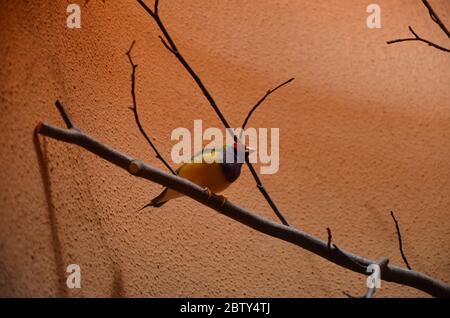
(134,167)
(156,7)
(400,243)
(261,100)
(330,238)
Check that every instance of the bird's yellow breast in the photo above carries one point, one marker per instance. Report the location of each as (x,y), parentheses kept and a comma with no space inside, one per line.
(207,175)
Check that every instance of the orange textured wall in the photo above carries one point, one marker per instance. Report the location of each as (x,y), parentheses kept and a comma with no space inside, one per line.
(365,129)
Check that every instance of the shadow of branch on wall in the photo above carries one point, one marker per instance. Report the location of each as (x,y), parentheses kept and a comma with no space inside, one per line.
(41,151)
(117,286)
(117,289)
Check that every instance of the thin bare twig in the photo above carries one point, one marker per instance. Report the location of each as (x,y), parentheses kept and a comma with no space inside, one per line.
(170,45)
(64,115)
(262,189)
(330,238)
(397,227)
(418,38)
(136,115)
(270,91)
(263,225)
(437,20)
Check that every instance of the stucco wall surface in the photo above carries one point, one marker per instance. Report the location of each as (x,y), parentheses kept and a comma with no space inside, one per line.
(364,129)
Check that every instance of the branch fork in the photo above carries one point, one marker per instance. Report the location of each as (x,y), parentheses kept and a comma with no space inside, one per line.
(170,45)
(437,20)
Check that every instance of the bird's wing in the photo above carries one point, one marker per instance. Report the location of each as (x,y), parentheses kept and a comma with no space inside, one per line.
(210,155)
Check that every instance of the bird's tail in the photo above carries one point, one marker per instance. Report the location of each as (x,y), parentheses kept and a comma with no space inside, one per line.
(158,201)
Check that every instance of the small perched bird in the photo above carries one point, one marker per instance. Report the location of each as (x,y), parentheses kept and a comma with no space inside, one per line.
(214,176)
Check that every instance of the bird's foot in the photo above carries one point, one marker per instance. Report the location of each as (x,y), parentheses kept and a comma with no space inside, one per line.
(209,192)
(223,198)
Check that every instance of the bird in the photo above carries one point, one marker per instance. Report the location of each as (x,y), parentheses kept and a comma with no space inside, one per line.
(213,175)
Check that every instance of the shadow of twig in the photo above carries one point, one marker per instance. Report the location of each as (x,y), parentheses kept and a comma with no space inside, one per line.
(41,151)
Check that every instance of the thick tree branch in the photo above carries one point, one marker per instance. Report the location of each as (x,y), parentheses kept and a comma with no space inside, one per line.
(416,37)
(289,234)
(399,235)
(136,115)
(371,290)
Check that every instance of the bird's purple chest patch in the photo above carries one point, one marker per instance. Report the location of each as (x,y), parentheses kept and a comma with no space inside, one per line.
(232,170)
